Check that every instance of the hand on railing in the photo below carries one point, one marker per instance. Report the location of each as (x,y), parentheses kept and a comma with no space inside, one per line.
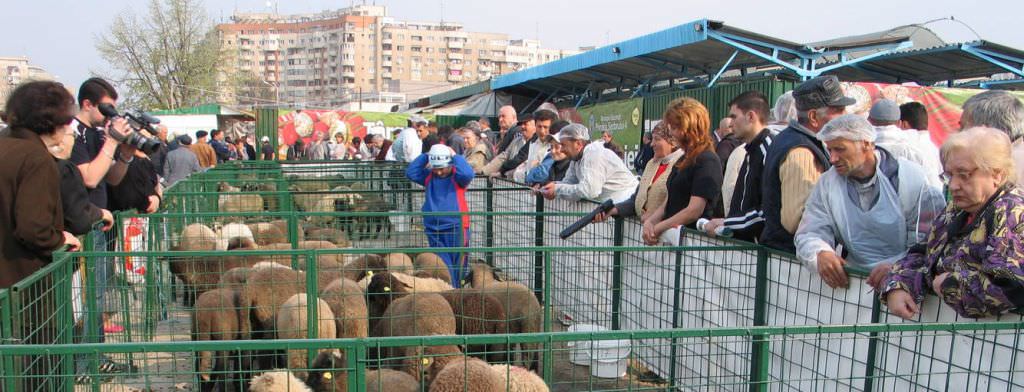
(877,276)
(830,267)
(902,304)
(603,216)
(548,190)
(72,242)
(108,220)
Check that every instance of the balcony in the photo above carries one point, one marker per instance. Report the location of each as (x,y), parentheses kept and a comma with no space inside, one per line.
(385,52)
(348,74)
(385,63)
(456,44)
(454,77)
(386,41)
(455,56)
(349,61)
(455,66)
(385,75)
(484,68)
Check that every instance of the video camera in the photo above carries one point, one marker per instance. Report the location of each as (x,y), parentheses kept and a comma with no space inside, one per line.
(586,219)
(137,120)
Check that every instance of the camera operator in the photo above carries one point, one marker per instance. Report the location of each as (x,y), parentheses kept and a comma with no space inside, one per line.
(102,158)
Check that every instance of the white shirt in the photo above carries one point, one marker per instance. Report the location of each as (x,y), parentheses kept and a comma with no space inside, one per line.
(910,146)
(410,145)
(599,175)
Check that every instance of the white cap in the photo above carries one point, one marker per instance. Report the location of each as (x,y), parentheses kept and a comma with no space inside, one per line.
(265,139)
(440,156)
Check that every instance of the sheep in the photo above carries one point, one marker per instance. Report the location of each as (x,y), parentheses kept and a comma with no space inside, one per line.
(215,317)
(478,313)
(518,379)
(232,231)
(267,233)
(196,237)
(200,274)
(282,225)
(467,375)
(358,268)
(264,293)
(335,236)
(278,380)
(234,202)
(524,311)
(399,262)
(387,380)
(383,288)
(328,375)
(292,321)
(430,265)
(309,245)
(235,278)
(424,314)
(349,307)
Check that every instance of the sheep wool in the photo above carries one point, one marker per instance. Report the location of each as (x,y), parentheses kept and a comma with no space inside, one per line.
(278,380)
(231,231)
(520,380)
(467,375)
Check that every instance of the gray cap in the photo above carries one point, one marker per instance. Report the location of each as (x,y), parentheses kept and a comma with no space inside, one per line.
(820,92)
(185,140)
(885,110)
(573,131)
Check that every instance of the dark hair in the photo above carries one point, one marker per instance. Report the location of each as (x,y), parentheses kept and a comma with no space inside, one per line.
(40,107)
(430,141)
(545,115)
(357,140)
(616,149)
(94,89)
(445,132)
(431,124)
(525,119)
(214,133)
(557,126)
(915,114)
(752,101)
(201,134)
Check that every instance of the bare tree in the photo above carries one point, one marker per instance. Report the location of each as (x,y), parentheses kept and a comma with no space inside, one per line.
(167,57)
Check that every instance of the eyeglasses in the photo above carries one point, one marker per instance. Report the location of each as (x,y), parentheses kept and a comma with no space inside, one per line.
(961,175)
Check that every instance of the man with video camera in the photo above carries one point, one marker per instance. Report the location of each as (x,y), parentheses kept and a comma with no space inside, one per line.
(102,157)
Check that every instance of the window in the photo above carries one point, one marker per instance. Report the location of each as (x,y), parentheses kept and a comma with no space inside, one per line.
(416,49)
(443,50)
(400,47)
(417,38)
(467,51)
(430,50)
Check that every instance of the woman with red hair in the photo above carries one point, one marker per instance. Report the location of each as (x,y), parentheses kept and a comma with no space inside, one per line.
(695,184)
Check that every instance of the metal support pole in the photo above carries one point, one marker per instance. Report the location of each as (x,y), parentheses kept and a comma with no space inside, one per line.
(617,274)
(760,356)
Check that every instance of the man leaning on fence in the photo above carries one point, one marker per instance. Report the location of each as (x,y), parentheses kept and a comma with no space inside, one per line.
(875,204)
(445,175)
(595,172)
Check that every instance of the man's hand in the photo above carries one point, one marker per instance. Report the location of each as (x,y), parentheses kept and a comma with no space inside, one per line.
(902,304)
(937,283)
(119,129)
(108,220)
(650,234)
(72,242)
(713,224)
(877,276)
(830,267)
(548,191)
(601,217)
(494,174)
(154,204)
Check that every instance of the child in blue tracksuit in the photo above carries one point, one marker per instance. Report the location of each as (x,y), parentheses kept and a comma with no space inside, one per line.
(445,175)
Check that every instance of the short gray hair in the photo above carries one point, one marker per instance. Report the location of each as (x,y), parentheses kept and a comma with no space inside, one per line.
(802,116)
(850,127)
(996,109)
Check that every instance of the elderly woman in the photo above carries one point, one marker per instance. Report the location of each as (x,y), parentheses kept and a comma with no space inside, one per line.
(652,191)
(476,152)
(973,257)
(695,183)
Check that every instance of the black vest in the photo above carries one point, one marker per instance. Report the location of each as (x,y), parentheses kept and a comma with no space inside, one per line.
(774,234)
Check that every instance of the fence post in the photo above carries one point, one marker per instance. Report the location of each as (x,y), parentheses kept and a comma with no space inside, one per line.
(312,301)
(357,381)
(538,260)
(676,314)
(489,221)
(617,274)
(759,343)
(873,341)
(548,357)
(6,337)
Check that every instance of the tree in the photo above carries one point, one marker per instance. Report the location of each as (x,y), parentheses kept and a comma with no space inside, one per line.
(165,59)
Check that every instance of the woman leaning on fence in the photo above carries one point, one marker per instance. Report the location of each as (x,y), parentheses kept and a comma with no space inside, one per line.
(973,256)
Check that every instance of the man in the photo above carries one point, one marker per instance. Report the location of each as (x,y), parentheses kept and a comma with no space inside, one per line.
(432,127)
(884,116)
(207,156)
(539,148)
(181,162)
(159,156)
(875,204)
(796,160)
(606,137)
(644,155)
(267,149)
(220,148)
(505,163)
(409,143)
(724,140)
(749,114)
(507,119)
(595,172)
(445,177)
(102,157)
(914,119)
(250,150)
(1000,110)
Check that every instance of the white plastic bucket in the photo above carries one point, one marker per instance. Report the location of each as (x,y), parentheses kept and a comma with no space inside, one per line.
(608,358)
(580,350)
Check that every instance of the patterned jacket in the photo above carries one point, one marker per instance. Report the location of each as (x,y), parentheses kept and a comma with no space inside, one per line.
(983,258)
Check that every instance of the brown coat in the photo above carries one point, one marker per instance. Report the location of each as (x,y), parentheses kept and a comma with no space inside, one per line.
(31,220)
(207,157)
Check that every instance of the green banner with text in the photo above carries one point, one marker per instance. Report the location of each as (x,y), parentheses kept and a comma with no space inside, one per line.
(621,119)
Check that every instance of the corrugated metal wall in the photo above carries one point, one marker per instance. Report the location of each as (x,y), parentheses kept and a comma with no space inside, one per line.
(457,121)
(716,98)
(266,125)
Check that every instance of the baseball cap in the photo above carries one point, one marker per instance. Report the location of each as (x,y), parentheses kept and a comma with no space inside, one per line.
(185,140)
(885,110)
(201,133)
(820,92)
(573,131)
(440,156)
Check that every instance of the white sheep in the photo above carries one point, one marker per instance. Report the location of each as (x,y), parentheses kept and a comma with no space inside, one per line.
(232,231)
(518,379)
(278,380)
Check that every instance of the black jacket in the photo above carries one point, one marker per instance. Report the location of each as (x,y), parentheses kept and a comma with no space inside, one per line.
(79,213)
(138,185)
(746,220)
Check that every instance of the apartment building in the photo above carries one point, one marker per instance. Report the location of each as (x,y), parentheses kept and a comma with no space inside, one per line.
(359,53)
(16,70)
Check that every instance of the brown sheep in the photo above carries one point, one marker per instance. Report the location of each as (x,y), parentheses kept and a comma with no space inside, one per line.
(430,265)
(525,314)
(423,314)
(201,274)
(349,307)
(328,374)
(335,236)
(282,225)
(399,262)
(479,313)
(235,278)
(356,269)
(520,380)
(292,321)
(230,201)
(215,317)
(383,288)
(467,375)
(310,245)
(264,293)
(268,233)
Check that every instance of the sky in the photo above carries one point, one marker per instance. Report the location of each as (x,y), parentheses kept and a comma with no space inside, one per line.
(60,35)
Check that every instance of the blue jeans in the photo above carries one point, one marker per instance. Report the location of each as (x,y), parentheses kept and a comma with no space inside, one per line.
(102,271)
(455,261)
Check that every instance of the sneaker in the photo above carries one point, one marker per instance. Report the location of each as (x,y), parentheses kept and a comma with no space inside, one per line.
(113,328)
(108,366)
(89,379)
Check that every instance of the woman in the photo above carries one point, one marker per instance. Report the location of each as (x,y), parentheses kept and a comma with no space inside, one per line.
(39,116)
(652,191)
(972,259)
(695,183)
(477,153)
